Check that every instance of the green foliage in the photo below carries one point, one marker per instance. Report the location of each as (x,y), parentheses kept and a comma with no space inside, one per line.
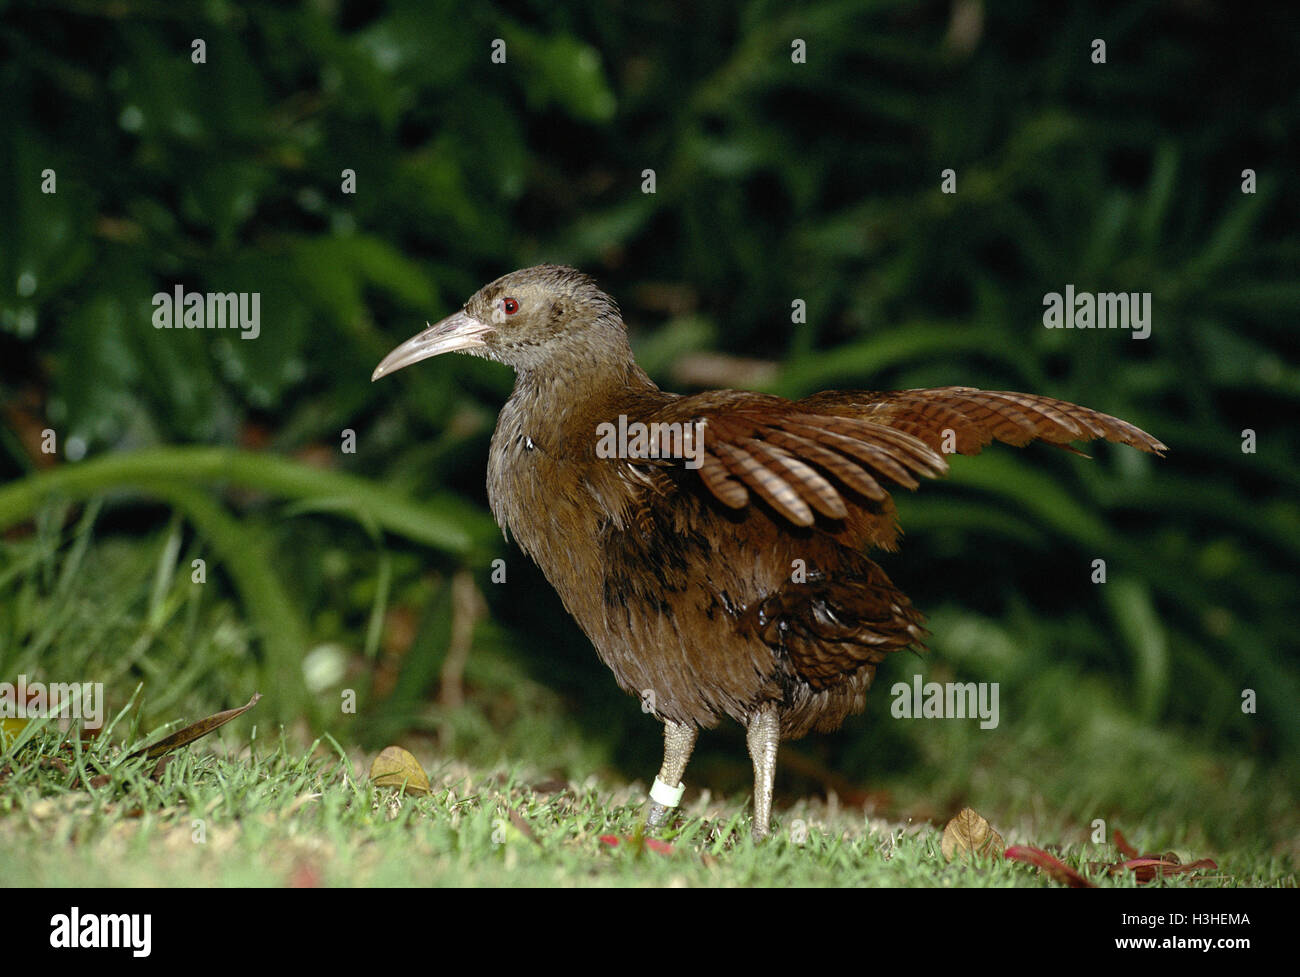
(278,816)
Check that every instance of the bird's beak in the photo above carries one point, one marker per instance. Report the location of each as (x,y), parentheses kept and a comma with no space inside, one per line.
(459,331)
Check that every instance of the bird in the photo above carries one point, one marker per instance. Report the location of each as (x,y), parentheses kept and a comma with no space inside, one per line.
(669,524)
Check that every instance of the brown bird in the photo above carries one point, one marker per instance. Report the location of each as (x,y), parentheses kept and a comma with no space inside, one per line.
(712,546)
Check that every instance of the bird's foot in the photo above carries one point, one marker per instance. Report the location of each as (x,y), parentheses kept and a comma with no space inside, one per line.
(663,800)
(679,740)
(656,816)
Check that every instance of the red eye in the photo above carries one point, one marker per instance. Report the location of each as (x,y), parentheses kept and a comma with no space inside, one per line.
(510,305)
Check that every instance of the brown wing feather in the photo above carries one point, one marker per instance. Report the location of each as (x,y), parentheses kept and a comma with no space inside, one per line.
(978,417)
(719,481)
(847,470)
(800,457)
(779,493)
(814,488)
(799,462)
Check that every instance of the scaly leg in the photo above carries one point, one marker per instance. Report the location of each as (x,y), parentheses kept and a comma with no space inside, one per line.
(762,734)
(679,741)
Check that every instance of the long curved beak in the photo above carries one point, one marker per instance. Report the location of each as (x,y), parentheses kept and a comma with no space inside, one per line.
(459,331)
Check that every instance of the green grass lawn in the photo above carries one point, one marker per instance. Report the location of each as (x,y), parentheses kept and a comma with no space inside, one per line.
(266,815)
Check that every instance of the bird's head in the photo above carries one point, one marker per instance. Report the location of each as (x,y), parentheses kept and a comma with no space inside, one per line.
(526,319)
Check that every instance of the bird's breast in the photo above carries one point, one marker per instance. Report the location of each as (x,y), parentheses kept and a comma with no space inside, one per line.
(549,495)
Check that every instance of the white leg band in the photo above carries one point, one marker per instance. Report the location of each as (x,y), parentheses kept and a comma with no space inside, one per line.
(661,793)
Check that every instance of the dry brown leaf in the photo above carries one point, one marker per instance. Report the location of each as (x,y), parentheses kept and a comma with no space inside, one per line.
(520,822)
(194,731)
(395,767)
(969,834)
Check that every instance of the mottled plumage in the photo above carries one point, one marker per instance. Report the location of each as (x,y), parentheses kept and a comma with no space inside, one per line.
(733,582)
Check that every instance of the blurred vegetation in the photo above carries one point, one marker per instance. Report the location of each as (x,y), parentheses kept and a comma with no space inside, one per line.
(775,181)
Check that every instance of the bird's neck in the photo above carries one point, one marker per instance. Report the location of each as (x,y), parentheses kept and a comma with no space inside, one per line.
(580,382)
(544,448)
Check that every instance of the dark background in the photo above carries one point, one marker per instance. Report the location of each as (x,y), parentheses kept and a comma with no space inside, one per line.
(775,181)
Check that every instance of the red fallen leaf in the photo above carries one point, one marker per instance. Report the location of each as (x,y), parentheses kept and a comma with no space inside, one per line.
(654,844)
(1198,864)
(1125,849)
(1143,867)
(304,876)
(1050,864)
(1147,868)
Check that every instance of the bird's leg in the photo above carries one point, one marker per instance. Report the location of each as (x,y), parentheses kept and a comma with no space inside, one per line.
(762,734)
(679,740)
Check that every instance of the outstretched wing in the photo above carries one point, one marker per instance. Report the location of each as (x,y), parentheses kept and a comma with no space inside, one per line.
(796,460)
(799,456)
(965,420)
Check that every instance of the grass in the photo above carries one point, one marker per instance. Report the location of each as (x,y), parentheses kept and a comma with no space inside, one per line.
(276,817)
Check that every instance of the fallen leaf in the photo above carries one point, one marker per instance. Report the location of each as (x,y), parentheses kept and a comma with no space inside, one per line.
(304,876)
(395,767)
(970,834)
(654,844)
(160,766)
(1050,864)
(524,827)
(550,787)
(1125,849)
(1146,868)
(54,763)
(194,731)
